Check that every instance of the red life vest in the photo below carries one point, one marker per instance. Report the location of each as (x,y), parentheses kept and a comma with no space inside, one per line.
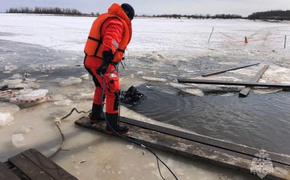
(94,42)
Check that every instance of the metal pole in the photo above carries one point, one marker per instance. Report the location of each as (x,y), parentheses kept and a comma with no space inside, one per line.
(231,69)
(285,41)
(210,34)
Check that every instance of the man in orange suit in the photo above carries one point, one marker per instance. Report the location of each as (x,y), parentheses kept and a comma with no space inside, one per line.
(108,38)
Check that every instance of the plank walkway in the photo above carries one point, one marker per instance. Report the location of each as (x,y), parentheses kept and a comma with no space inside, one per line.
(32,165)
(197,147)
(234,83)
(246,90)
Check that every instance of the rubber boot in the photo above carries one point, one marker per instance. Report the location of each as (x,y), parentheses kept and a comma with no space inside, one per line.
(113,120)
(97,114)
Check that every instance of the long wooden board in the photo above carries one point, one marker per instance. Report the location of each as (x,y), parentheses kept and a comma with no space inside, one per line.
(29,168)
(234,83)
(230,69)
(246,90)
(36,166)
(47,165)
(196,146)
(6,174)
(5,87)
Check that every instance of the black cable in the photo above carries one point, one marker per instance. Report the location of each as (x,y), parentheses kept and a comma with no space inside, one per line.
(57,123)
(62,142)
(74,109)
(132,141)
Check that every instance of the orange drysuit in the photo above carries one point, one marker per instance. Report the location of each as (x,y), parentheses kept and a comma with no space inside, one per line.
(110,31)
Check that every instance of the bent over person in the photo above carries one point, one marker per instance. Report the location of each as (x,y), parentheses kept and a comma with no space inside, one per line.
(108,38)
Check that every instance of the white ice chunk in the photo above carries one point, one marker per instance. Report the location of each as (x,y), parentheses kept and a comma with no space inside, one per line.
(140,72)
(57,80)
(85,77)
(26,129)
(196,92)
(178,85)
(12,81)
(30,97)
(6,72)
(6,107)
(10,67)
(17,76)
(5,118)
(153,79)
(39,93)
(18,140)
(86,96)
(66,102)
(188,89)
(70,81)
(58,97)
(130,146)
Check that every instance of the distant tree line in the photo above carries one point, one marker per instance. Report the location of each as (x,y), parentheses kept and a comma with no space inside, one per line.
(47,10)
(67,11)
(268,15)
(271,15)
(197,16)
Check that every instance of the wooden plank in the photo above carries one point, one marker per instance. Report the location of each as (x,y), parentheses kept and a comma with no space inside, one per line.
(231,69)
(47,165)
(6,173)
(249,151)
(235,83)
(5,87)
(193,149)
(246,150)
(30,169)
(246,90)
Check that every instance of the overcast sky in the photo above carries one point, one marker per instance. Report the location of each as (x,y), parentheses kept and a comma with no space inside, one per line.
(151,7)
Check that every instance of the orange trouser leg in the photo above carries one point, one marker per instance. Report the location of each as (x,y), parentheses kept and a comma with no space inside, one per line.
(109,81)
(112,89)
(98,95)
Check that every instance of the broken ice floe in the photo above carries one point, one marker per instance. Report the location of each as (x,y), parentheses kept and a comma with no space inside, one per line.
(30,97)
(153,79)
(85,77)
(17,76)
(70,81)
(10,68)
(65,102)
(18,140)
(11,82)
(5,118)
(85,96)
(6,112)
(27,129)
(6,107)
(187,89)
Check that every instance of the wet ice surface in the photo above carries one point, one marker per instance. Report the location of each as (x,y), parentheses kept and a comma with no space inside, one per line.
(41,62)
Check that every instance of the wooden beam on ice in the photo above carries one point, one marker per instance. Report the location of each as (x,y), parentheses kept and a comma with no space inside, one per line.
(222,71)
(196,146)
(246,90)
(5,87)
(234,83)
